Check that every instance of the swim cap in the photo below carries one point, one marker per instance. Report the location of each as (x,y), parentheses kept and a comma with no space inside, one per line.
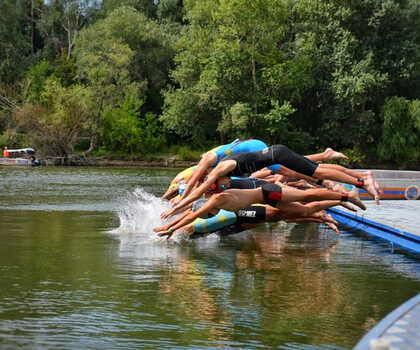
(181,187)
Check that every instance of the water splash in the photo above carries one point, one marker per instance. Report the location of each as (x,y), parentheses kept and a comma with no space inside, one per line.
(140,212)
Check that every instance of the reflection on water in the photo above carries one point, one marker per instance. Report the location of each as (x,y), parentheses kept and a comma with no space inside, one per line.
(81,268)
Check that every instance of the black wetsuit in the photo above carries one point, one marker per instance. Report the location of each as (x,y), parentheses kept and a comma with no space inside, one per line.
(246,183)
(249,162)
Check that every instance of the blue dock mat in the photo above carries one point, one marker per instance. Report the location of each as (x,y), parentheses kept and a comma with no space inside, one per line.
(395,236)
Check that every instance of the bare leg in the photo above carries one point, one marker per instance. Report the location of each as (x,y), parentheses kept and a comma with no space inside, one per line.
(297,210)
(333,155)
(320,217)
(328,154)
(290,194)
(348,171)
(340,176)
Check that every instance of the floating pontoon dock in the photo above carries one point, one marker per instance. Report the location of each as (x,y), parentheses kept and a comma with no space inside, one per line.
(394,233)
(397,222)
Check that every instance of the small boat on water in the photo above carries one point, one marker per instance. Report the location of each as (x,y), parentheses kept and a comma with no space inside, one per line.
(21,156)
(14,161)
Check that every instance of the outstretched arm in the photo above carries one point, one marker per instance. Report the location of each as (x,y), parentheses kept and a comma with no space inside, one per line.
(222,168)
(223,219)
(205,163)
(172,223)
(209,205)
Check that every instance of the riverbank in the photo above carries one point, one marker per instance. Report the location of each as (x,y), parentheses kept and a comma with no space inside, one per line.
(118,161)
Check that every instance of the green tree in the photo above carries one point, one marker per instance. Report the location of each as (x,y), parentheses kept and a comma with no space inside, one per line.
(170,11)
(56,123)
(35,81)
(223,61)
(121,128)
(146,7)
(16,42)
(400,141)
(124,131)
(103,66)
(358,60)
(60,23)
(123,55)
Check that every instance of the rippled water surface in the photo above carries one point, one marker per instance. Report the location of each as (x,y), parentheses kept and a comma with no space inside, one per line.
(81,269)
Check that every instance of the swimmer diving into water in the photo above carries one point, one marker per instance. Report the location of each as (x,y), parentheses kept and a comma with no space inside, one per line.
(242,164)
(211,158)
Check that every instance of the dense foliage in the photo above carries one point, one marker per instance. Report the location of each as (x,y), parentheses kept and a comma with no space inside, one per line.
(139,76)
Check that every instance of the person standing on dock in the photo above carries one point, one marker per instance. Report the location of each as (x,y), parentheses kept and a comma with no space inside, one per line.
(6,153)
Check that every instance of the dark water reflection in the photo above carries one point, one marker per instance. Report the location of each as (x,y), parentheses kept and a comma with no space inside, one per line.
(80,269)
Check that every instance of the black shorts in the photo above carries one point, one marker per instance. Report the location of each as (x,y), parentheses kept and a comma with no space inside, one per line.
(254,214)
(272,194)
(246,183)
(284,156)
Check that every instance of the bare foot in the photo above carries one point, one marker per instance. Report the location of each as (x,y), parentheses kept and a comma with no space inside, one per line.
(348,206)
(328,218)
(371,188)
(355,199)
(369,173)
(332,155)
(333,227)
(331,219)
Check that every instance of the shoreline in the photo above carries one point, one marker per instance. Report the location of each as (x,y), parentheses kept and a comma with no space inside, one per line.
(169,161)
(112,161)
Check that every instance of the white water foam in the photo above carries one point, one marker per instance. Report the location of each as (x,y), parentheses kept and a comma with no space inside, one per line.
(140,212)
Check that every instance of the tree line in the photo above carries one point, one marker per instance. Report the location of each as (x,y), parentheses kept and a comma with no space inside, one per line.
(139,76)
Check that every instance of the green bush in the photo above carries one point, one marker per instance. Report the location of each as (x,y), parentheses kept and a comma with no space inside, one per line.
(120,129)
(125,130)
(151,137)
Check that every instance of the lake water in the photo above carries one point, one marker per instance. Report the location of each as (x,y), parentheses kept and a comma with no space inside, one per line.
(81,269)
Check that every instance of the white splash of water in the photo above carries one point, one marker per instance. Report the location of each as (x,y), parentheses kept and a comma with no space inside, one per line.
(140,212)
